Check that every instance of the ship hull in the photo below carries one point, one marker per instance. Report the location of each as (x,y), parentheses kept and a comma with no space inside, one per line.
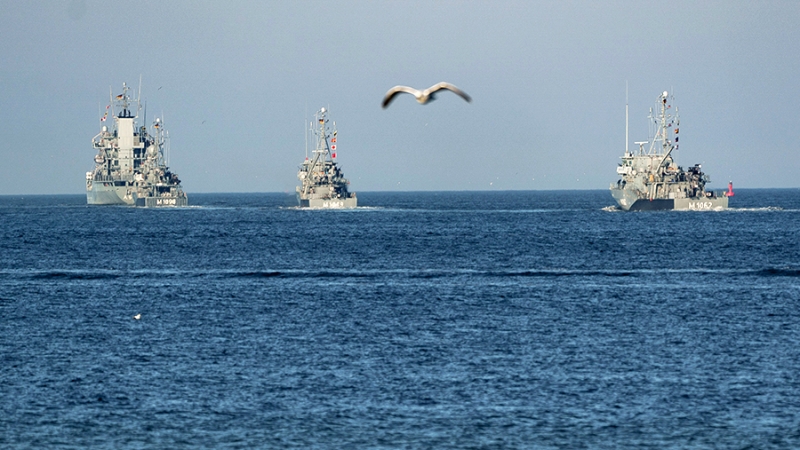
(628,201)
(652,205)
(161,202)
(98,194)
(328,203)
(701,204)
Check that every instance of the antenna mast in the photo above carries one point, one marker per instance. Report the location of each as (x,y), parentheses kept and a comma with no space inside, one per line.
(626,118)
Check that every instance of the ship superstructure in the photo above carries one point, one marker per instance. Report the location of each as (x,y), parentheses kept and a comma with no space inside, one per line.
(323,184)
(651,180)
(130,164)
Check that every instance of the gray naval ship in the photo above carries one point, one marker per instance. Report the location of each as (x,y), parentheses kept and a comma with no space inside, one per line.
(130,165)
(323,184)
(650,179)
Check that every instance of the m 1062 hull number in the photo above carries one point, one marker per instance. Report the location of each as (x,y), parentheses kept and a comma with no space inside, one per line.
(696,206)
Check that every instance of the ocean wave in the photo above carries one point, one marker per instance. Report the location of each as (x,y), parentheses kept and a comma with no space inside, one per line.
(779,272)
(296,274)
(698,272)
(561,273)
(343,210)
(110,274)
(73,275)
(94,274)
(761,209)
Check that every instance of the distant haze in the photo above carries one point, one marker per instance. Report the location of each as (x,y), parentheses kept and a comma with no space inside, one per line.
(236,83)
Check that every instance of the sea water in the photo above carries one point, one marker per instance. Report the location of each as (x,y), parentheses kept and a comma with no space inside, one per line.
(418,320)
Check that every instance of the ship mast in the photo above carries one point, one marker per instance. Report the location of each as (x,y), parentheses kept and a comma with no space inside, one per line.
(323,136)
(665,145)
(626,119)
(663,128)
(318,151)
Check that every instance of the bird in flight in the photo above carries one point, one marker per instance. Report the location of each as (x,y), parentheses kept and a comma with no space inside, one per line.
(423,96)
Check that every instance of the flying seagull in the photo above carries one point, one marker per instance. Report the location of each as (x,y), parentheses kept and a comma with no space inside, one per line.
(423,96)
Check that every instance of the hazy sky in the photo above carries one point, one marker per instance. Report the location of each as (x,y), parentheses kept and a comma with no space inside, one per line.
(236,82)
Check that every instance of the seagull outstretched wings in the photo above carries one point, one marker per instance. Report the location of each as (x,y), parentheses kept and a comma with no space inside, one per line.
(423,96)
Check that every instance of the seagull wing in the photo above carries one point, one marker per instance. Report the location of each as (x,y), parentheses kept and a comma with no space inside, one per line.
(449,87)
(399,90)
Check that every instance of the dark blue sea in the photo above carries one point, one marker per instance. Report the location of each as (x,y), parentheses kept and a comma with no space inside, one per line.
(541,319)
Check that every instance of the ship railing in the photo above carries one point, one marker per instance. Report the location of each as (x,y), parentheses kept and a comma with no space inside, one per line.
(106,178)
